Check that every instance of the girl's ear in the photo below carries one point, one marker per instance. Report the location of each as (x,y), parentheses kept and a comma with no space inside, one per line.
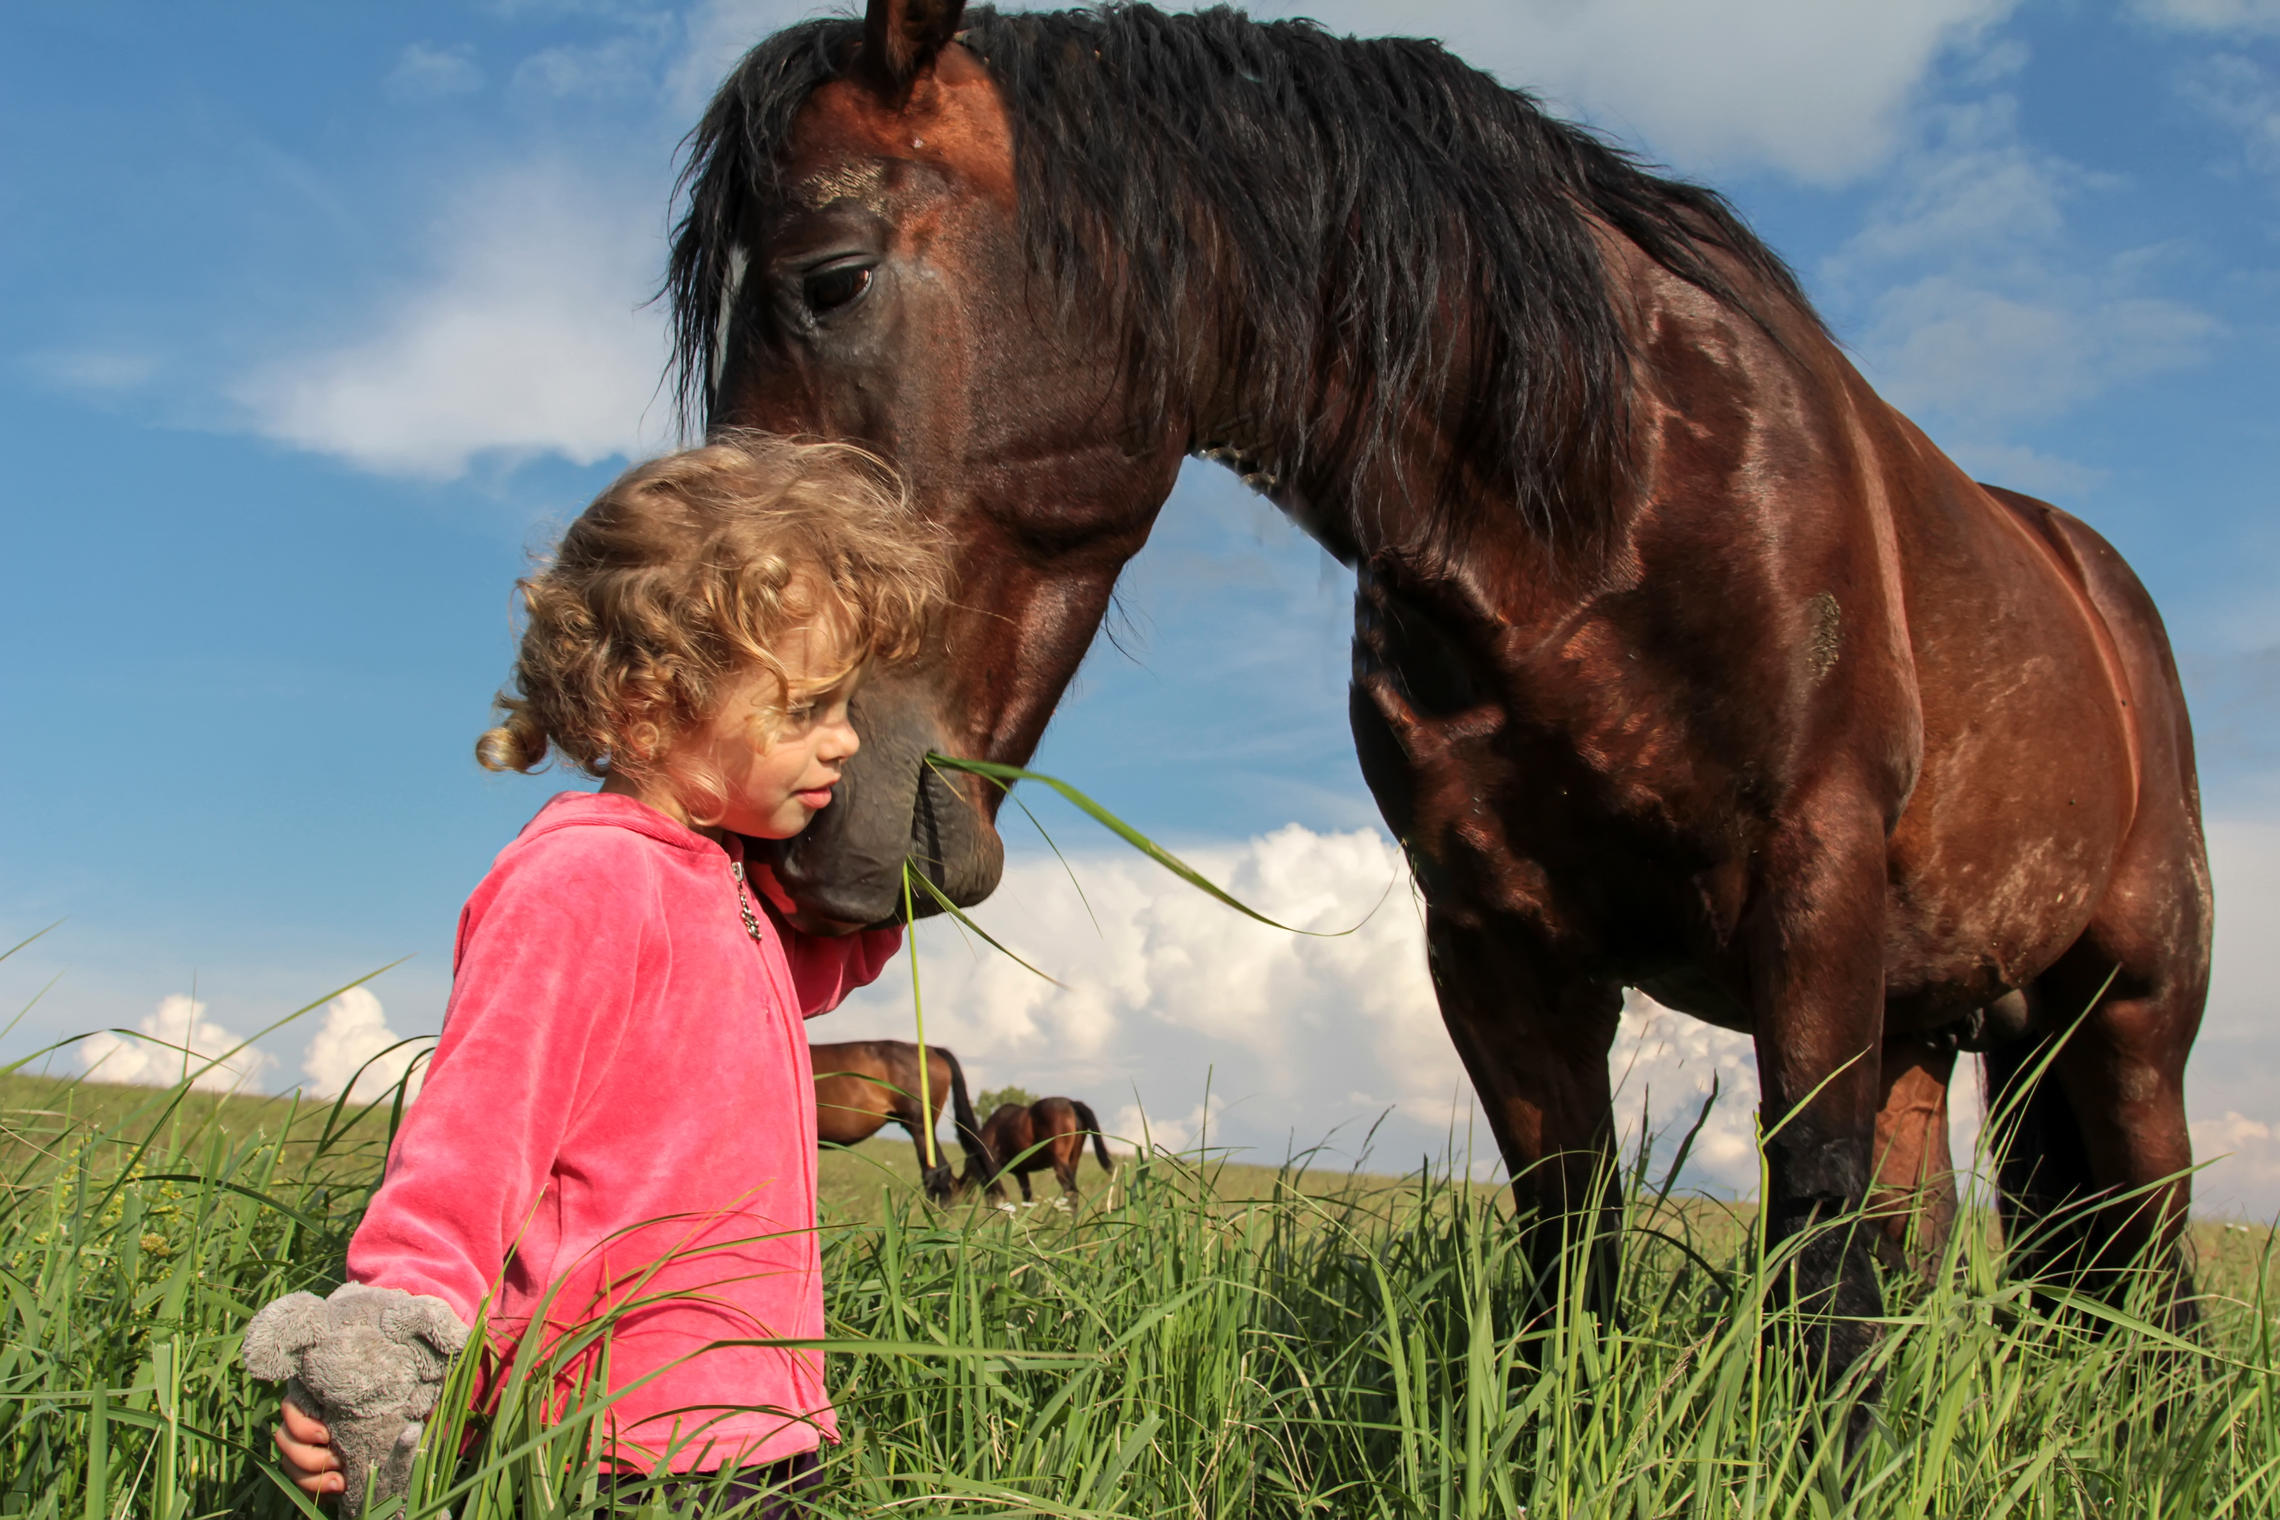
(902,37)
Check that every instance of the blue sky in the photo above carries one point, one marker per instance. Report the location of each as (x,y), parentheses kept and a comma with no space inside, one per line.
(320,316)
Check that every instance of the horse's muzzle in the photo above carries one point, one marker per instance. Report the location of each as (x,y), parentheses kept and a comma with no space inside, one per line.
(845,869)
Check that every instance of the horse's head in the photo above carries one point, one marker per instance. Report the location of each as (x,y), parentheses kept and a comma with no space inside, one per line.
(850,266)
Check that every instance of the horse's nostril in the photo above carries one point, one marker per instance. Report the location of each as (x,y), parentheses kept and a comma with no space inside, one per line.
(951,842)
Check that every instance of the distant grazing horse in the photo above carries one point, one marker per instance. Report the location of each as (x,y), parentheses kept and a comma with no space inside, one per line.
(1048,1133)
(1681,660)
(863,1086)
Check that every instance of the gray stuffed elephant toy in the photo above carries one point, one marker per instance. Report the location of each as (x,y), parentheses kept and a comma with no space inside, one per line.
(369,1362)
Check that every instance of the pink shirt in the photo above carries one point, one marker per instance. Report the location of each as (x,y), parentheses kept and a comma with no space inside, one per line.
(622,1082)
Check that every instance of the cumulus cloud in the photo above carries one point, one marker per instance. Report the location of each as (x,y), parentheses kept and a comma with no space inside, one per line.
(356,1045)
(1184,1020)
(1812,88)
(1174,996)
(529,335)
(2242,1157)
(425,72)
(176,1040)
(1193,1021)
(1135,1127)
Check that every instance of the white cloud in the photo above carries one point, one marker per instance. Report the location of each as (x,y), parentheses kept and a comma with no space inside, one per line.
(621,68)
(426,72)
(2025,469)
(1181,1010)
(356,1045)
(1293,1036)
(1955,348)
(528,331)
(1975,305)
(716,34)
(2213,15)
(2242,1159)
(526,334)
(178,1041)
(1812,88)
(93,371)
(1134,1127)
(2242,95)
(529,336)
(1667,1064)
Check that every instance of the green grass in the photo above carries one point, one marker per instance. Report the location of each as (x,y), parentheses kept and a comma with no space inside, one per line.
(1196,1341)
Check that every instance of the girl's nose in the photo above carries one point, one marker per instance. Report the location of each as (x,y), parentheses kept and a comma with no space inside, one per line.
(841,742)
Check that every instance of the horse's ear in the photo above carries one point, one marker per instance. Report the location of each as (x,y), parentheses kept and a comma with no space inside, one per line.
(901,37)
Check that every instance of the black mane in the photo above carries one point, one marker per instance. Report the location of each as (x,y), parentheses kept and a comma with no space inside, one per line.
(1303,204)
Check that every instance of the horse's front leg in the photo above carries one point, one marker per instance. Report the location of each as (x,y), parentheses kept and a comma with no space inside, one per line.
(1815,943)
(1534,1038)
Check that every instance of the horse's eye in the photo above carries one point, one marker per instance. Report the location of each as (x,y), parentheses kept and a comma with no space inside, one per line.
(826,290)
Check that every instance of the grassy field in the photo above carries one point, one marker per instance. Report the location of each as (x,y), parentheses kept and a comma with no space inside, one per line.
(1194,1342)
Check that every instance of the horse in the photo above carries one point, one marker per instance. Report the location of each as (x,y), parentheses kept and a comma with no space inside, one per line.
(864,1085)
(1681,661)
(1048,1133)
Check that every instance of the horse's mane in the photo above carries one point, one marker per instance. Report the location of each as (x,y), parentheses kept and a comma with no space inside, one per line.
(1310,206)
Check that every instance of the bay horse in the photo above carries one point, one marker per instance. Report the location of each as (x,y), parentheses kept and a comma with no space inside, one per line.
(1682,661)
(864,1085)
(1048,1133)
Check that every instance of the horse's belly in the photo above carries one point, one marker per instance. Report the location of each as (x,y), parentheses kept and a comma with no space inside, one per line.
(2005,850)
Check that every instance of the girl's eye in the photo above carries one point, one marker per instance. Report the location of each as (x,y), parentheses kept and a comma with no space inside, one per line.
(826,290)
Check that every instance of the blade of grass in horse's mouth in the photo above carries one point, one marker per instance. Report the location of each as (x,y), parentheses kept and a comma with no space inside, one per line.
(1003,776)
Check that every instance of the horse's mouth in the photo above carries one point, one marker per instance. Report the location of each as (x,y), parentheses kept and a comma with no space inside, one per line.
(845,870)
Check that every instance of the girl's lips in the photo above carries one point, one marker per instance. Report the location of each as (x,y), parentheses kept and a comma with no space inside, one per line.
(817,798)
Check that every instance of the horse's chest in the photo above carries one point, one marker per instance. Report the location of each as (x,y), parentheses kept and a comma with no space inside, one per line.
(1556,812)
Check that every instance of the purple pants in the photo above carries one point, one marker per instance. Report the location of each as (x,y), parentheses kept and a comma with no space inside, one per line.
(784,1483)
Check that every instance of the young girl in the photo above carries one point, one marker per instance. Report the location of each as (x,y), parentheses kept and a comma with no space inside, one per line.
(621,1107)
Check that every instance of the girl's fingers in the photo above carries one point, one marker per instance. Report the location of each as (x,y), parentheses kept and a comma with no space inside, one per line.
(306,1428)
(304,1461)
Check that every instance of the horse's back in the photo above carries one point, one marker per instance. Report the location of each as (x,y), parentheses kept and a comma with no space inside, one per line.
(849,1108)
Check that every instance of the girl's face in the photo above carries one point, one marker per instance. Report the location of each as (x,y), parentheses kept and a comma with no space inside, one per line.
(773,785)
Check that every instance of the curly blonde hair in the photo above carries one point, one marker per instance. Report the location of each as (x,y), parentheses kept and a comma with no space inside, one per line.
(686,575)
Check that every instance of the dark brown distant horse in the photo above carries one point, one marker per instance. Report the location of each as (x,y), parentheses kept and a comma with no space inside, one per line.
(864,1085)
(1681,660)
(1048,1133)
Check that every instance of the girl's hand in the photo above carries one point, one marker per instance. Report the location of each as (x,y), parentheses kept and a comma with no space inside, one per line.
(310,1461)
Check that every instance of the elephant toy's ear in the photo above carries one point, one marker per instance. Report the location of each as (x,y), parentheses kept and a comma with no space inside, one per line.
(277,1336)
(428,1320)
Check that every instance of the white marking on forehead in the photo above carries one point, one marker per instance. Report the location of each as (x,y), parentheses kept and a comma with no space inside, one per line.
(738,258)
(847,182)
